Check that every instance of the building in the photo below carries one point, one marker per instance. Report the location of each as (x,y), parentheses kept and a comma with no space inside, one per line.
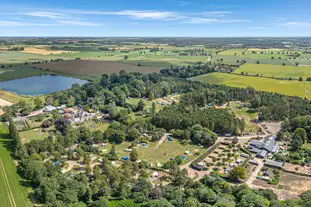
(49,108)
(275,164)
(262,147)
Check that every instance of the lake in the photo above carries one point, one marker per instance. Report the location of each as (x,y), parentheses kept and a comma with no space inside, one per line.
(38,85)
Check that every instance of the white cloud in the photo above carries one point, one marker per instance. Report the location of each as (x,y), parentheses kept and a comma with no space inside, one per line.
(148,14)
(216,13)
(50,15)
(22,24)
(78,23)
(197,20)
(256,28)
(296,24)
(137,14)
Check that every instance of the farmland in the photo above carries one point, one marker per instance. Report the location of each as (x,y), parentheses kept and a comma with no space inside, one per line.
(93,68)
(19,71)
(12,193)
(13,57)
(276,71)
(291,88)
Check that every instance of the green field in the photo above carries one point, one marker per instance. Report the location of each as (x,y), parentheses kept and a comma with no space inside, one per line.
(12,193)
(291,88)
(277,71)
(13,57)
(19,71)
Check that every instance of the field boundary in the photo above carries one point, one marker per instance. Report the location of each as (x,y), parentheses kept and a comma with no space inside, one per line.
(7,185)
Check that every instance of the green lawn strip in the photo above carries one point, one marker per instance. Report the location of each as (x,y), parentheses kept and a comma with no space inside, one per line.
(19,192)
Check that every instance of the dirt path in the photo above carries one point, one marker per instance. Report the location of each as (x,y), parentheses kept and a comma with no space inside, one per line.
(162,140)
(255,173)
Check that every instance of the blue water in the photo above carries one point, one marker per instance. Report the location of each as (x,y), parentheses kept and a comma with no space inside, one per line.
(38,85)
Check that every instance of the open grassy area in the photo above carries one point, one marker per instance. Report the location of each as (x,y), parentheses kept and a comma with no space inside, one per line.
(277,71)
(93,68)
(19,71)
(306,146)
(14,57)
(32,134)
(154,153)
(11,97)
(291,88)
(245,113)
(12,193)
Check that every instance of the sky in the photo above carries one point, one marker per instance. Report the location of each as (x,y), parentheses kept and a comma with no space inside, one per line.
(155,18)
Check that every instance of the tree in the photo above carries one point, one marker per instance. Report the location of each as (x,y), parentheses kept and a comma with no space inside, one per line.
(133,134)
(153,109)
(151,95)
(140,105)
(38,103)
(237,173)
(134,155)
(16,140)
(158,203)
(300,79)
(126,57)
(113,153)
(252,199)
(299,138)
(55,114)
(256,101)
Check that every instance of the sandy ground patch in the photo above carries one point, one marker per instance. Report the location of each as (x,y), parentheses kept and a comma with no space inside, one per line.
(4,102)
(44,51)
(273,127)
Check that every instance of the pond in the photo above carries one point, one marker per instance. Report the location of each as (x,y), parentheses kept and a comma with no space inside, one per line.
(39,85)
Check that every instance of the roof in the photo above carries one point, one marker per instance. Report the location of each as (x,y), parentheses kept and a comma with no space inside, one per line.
(255,150)
(267,144)
(273,163)
(50,108)
(263,153)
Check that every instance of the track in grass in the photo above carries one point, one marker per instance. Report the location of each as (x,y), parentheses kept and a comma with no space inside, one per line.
(12,193)
(7,186)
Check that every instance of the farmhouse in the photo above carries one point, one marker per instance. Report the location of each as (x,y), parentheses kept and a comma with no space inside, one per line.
(263,147)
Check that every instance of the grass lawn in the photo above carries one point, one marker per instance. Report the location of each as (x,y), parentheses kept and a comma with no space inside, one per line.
(291,88)
(11,97)
(158,154)
(32,134)
(307,146)
(18,71)
(247,114)
(12,193)
(97,126)
(278,71)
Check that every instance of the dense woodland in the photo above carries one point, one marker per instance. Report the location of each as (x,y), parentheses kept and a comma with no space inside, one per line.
(192,119)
